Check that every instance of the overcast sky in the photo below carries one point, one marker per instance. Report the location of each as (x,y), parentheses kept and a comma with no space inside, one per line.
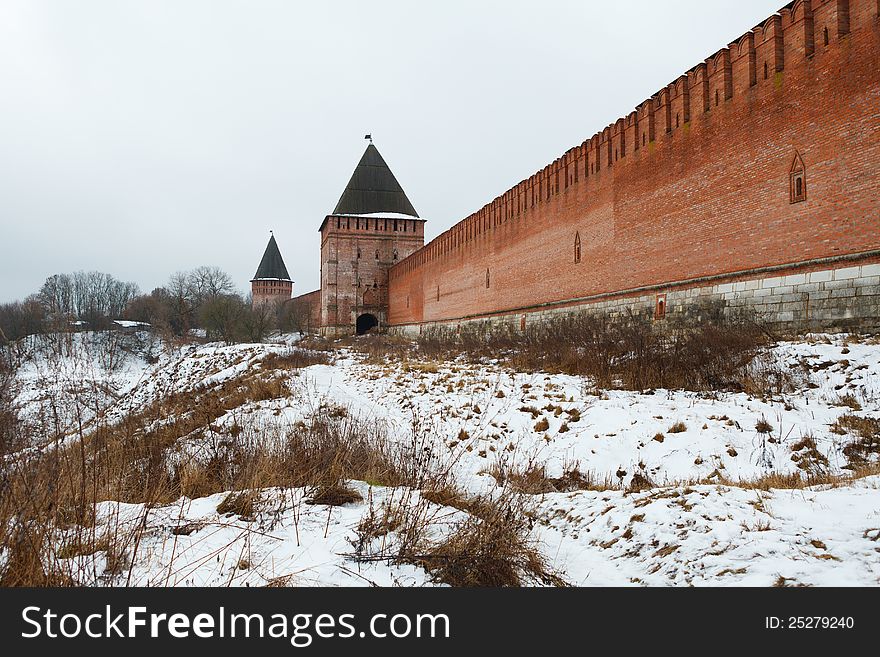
(143,138)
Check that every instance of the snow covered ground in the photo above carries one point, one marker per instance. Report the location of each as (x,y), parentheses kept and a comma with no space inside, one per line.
(688,525)
(67,379)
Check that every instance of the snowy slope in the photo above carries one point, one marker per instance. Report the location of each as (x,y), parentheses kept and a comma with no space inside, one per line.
(485,419)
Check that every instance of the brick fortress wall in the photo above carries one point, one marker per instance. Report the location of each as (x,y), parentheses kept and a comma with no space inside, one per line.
(762,162)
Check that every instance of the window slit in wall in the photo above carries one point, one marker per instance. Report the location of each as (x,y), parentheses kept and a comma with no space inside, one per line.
(487,278)
(825,36)
(577,248)
(766,70)
(798,180)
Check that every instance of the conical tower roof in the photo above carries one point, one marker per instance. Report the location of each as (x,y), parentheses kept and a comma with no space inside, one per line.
(272,264)
(373,189)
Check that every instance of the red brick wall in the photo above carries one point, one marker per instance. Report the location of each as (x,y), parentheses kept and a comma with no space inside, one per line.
(685,186)
(307,311)
(356,254)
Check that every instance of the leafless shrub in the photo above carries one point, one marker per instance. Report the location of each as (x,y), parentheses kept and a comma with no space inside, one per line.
(491,546)
(632,353)
(493,549)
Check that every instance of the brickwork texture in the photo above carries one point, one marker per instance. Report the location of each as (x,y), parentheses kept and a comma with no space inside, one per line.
(753,179)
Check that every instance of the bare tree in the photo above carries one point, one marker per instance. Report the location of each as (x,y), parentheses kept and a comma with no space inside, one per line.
(187,293)
(19,319)
(295,316)
(207,283)
(222,317)
(258,320)
(93,297)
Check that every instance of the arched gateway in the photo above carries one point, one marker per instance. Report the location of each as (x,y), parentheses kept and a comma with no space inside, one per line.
(365,323)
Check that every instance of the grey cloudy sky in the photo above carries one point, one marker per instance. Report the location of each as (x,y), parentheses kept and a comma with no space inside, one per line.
(145,137)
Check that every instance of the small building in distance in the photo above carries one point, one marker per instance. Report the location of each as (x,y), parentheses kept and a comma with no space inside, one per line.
(271,283)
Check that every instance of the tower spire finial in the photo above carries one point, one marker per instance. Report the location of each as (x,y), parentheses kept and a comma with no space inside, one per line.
(370,137)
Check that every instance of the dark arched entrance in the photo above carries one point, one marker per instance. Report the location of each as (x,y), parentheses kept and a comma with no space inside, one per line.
(365,323)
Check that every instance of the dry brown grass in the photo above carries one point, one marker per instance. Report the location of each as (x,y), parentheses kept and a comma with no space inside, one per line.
(797,481)
(334,494)
(140,459)
(11,436)
(807,456)
(493,550)
(866,448)
(532,479)
(633,354)
(242,504)
(295,359)
(491,547)
(640,482)
(763,426)
(849,401)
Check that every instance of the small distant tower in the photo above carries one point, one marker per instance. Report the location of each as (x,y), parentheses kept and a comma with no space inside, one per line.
(271,283)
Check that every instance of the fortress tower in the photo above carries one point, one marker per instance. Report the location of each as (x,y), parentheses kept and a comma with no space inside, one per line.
(271,283)
(372,227)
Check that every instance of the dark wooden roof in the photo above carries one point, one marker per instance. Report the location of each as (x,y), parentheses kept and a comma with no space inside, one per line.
(373,188)
(272,264)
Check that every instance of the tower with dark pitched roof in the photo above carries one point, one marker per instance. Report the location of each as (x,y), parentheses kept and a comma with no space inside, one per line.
(373,226)
(271,283)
